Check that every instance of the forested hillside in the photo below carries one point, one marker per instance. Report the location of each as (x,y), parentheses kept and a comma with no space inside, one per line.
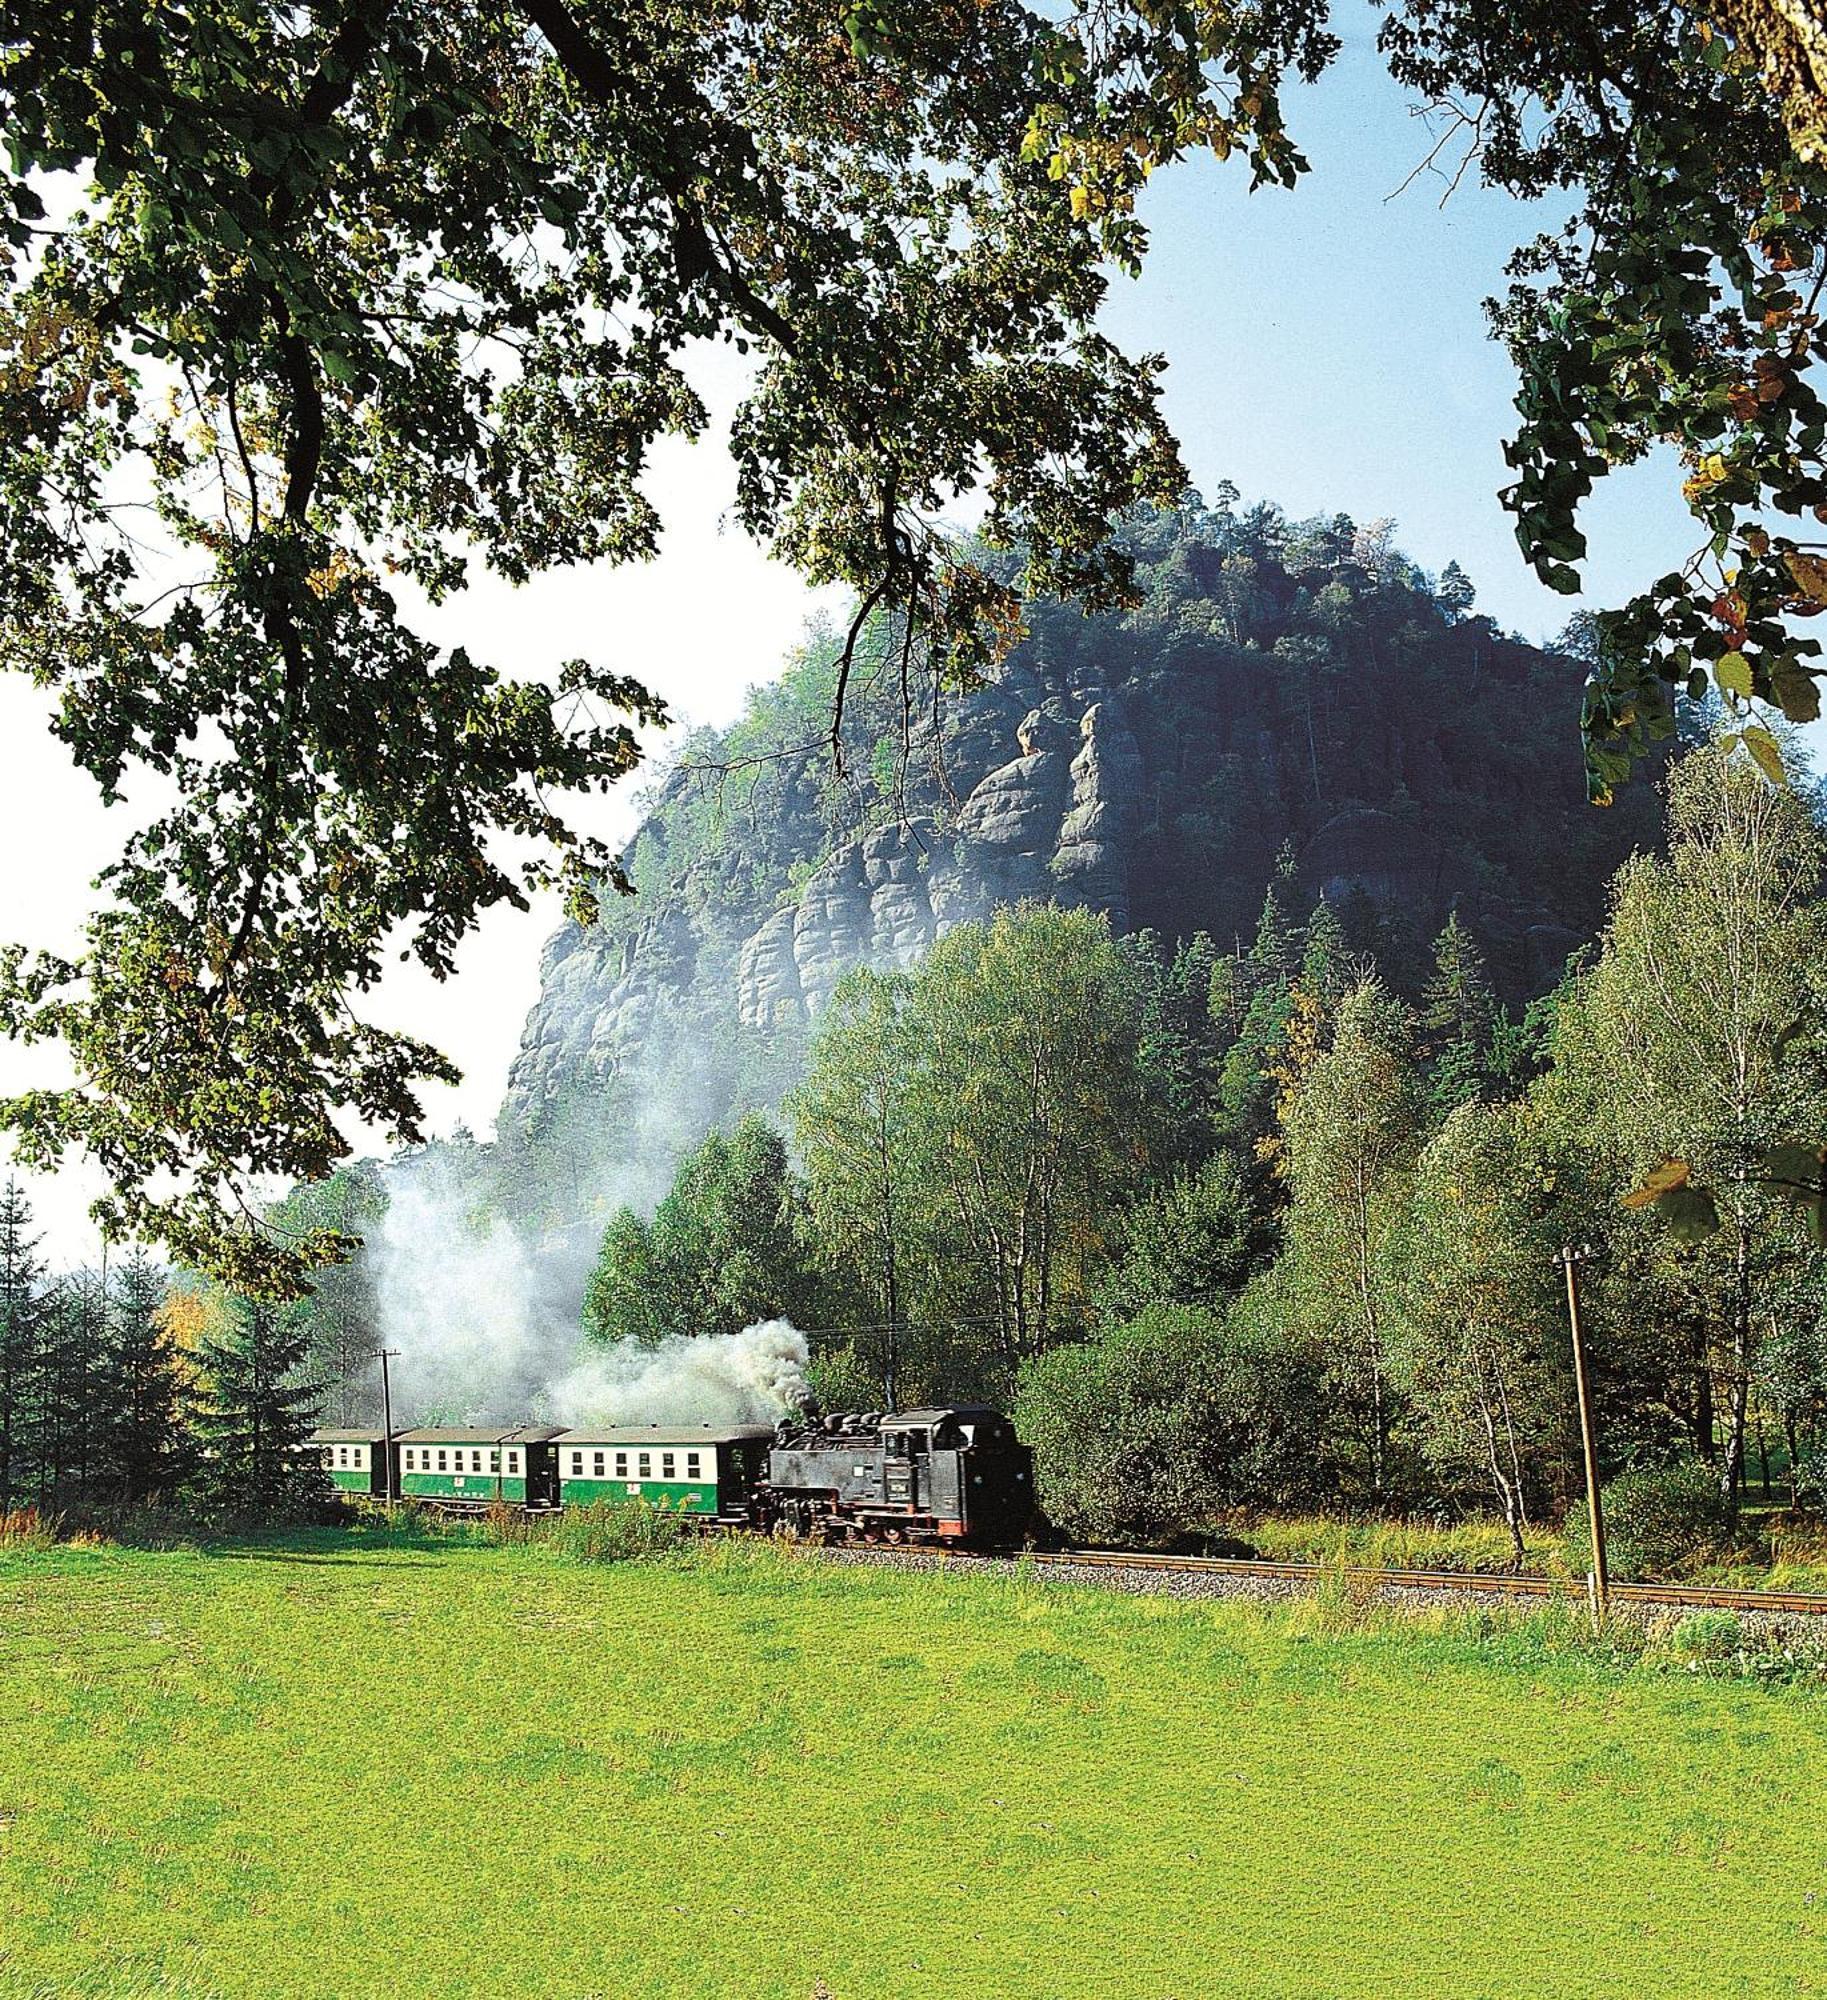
(1292,701)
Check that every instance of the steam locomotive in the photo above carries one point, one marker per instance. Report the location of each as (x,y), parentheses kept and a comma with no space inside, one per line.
(956,1475)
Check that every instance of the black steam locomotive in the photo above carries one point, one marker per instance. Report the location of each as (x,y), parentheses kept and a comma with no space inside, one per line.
(945,1475)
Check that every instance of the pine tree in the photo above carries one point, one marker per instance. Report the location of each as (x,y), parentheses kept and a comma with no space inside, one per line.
(22,1313)
(254,1413)
(1263,984)
(1323,966)
(1455,594)
(149,1440)
(1459,1015)
(73,1401)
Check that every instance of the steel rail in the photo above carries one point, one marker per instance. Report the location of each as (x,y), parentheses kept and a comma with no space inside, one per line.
(1694,1596)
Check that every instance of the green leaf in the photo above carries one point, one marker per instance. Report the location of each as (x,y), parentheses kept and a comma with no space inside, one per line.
(1733,673)
(1766,751)
(1795,1169)
(1689,1213)
(1796,690)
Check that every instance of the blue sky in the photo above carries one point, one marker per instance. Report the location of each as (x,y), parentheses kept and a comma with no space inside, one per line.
(1327,346)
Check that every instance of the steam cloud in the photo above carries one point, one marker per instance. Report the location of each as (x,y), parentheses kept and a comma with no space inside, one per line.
(485,1324)
(748,1377)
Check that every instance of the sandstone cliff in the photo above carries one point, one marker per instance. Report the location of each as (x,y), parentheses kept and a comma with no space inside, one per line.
(1154,767)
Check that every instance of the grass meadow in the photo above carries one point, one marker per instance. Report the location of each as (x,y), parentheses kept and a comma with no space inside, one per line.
(347,1765)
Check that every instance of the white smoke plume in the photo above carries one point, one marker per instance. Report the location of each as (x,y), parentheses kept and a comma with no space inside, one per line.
(738,1378)
(486,1327)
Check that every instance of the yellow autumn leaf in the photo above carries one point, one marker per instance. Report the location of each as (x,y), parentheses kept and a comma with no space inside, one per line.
(1670,1174)
(1809,572)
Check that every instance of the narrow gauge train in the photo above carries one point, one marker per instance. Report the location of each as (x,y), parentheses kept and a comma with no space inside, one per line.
(953,1475)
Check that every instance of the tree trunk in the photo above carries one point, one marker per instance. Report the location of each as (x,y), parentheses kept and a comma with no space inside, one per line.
(1705,1443)
(1732,1472)
(1788,39)
(1509,1495)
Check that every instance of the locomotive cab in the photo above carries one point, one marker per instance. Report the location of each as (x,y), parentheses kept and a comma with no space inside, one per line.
(972,1477)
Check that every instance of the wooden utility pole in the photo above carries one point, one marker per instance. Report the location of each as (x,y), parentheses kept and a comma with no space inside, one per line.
(1599,1582)
(387,1354)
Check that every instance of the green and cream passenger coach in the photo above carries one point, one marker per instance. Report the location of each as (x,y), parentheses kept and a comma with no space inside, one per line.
(356,1461)
(477,1467)
(693,1469)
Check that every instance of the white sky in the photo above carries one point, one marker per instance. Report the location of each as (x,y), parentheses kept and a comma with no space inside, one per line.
(1326,349)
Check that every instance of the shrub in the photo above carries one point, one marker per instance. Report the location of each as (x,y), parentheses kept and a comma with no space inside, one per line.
(1709,1636)
(1657,1522)
(1157,1425)
(616,1532)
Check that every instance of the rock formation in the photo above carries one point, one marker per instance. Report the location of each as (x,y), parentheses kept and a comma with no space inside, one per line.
(1162,796)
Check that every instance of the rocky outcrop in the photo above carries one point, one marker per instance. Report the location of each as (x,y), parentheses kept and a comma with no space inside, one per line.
(1161,786)
(1051,822)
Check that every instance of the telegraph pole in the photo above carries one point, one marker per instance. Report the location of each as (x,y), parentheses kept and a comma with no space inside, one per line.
(386,1354)
(1598,1583)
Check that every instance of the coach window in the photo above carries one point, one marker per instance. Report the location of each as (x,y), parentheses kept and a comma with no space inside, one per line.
(644,1465)
(621,1465)
(577,1465)
(443,1461)
(494,1461)
(667,1463)
(513,1461)
(691,1465)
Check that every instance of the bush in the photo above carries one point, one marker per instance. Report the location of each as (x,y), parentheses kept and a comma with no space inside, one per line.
(608,1531)
(1657,1523)
(1156,1426)
(1710,1636)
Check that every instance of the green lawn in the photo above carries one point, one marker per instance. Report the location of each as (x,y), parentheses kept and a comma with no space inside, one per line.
(342,1768)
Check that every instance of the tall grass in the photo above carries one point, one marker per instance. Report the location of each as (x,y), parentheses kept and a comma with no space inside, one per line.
(1380,1544)
(27,1528)
(600,1532)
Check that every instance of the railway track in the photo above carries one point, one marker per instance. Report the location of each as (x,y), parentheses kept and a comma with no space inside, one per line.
(1691,1597)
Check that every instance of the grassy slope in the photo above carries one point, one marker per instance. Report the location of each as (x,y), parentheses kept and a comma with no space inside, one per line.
(294,1771)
